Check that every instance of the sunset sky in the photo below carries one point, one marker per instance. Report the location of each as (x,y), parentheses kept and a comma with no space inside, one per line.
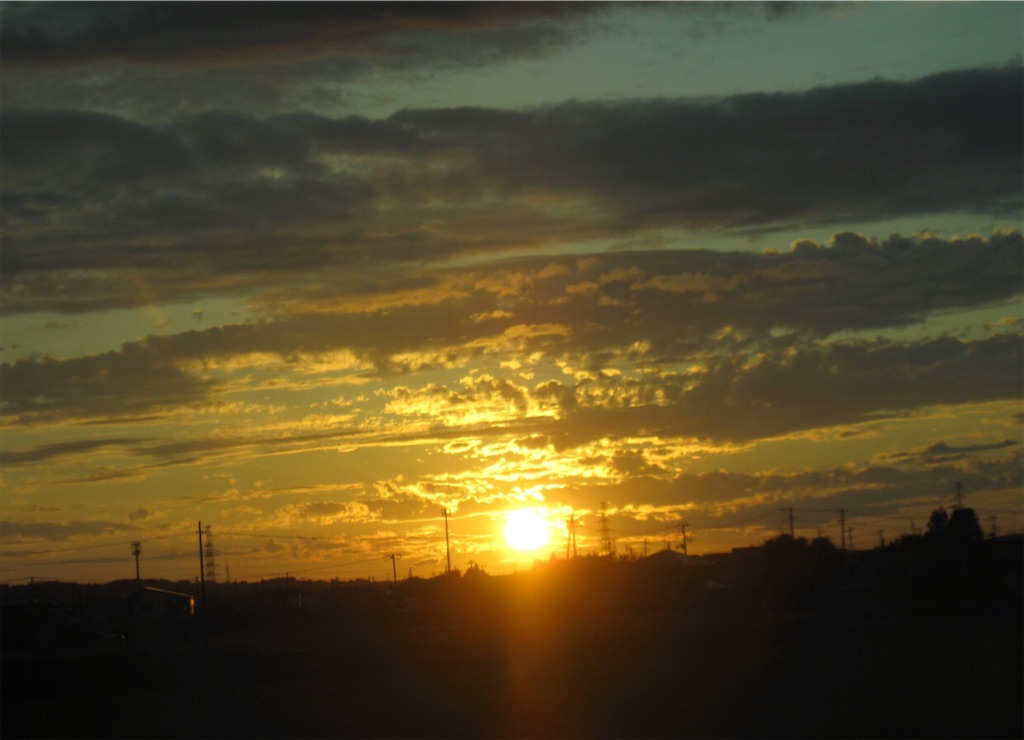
(310,274)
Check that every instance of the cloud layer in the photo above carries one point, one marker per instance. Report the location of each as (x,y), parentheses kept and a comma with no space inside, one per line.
(237,195)
(304,302)
(729,347)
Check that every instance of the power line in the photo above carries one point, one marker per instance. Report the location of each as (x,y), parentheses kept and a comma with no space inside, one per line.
(120,543)
(275,536)
(66,549)
(320,567)
(762,517)
(657,530)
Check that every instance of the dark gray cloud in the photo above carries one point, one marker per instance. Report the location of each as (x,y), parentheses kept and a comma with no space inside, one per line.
(140,515)
(325,512)
(217,33)
(943,452)
(161,60)
(280,79)
(787,389)
(62,449)
(950,141)
(223,33)
(124,384)
(674,300)
(791,390)
(13,531)
(660,310)
(237,195)
(722,499)
(91,186)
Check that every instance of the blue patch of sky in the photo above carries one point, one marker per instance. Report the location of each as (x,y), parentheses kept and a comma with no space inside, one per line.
(74,335)
(672,50)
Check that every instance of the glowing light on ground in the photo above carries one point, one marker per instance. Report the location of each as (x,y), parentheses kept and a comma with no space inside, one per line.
(527,529)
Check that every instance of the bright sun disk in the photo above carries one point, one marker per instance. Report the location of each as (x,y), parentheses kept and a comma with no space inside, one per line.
(526,529)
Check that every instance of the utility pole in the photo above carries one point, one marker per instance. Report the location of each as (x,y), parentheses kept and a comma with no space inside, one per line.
(202,577)
(136,551)
(645,547)
(850,533)
(447,546)
(394,569)
(881,538)
(682,528)
(842,526)
(789,516)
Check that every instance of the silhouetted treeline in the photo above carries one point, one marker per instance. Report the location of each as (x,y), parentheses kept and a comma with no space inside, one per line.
(952,561)
(795,638)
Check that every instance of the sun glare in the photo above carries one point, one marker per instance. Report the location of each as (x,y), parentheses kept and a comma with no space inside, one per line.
(527,529)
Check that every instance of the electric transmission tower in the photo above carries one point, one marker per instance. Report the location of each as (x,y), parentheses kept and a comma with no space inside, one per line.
(447,544)
(789,517)
(211,566)
(570,541)
(606,537)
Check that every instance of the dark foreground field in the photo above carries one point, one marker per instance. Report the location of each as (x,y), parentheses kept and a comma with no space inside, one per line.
(856,673)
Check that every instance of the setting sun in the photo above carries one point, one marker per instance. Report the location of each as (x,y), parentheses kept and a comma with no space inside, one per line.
(527,529)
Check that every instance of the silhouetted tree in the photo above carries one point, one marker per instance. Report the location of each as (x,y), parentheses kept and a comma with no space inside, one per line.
(956,529)
(948,562)
(963,526)
(825,547)
(938,522)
